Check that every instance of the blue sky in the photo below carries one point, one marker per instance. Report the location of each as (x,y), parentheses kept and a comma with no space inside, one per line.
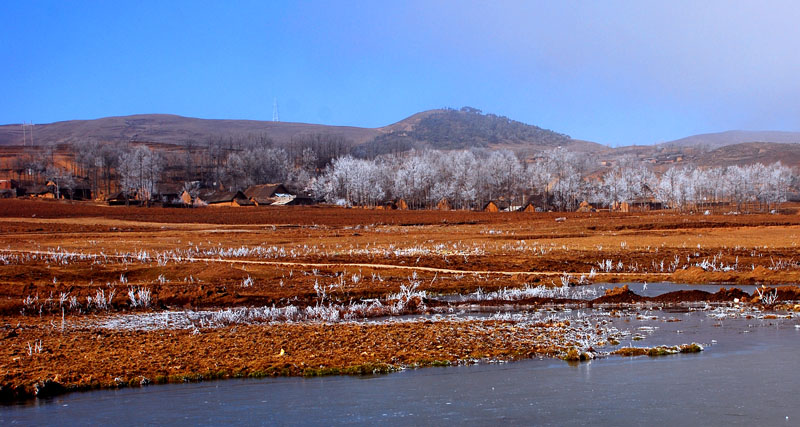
(618,73)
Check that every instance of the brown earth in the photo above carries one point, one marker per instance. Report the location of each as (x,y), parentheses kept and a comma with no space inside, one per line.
(204,258)
(91,358)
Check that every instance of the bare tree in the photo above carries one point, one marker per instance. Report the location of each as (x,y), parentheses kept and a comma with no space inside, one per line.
(140,171)
(62,179)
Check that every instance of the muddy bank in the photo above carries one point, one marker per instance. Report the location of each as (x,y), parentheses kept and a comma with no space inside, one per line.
(623,295)
(80,359)
(40,356)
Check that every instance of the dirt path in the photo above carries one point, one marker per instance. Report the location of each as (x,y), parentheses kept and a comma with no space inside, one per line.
(362,265)
(163,225)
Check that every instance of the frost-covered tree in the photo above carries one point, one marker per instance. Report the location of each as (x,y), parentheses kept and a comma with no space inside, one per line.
(414,179)
(468,179)
(139,172)
(503,176)
(626,181)
(236,172)
(352,181)
(567,172)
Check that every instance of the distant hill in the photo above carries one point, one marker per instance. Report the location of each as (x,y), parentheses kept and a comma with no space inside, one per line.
(442,129)
(721,139)
(171,129)
(449,129)
(436,129)
(751,152)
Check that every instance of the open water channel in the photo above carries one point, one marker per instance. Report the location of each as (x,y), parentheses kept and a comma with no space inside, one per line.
(747,375)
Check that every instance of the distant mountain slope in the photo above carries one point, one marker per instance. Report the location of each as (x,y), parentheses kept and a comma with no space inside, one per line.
(751,152)
(448,129)
(171,129)
(721,139)
(438,129)
(433,129)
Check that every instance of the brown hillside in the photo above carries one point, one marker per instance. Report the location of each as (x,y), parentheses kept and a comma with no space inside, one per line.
(171,129)
(711,141)
(752,152)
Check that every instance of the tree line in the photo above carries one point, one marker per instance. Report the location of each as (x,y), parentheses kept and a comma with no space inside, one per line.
(556,179)
(137,169)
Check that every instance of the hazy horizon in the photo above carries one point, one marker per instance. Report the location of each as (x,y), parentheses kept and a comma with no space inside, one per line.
(617,73)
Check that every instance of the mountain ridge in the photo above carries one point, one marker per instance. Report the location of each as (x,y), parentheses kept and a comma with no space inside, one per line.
(437,129)
(715,140)
(443,128)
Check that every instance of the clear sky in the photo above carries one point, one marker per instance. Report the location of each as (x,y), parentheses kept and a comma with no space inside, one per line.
(618,73)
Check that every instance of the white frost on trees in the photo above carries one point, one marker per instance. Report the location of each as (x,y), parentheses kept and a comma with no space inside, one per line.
(139,172)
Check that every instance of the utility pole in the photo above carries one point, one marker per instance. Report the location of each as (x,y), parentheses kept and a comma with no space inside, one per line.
(27,133)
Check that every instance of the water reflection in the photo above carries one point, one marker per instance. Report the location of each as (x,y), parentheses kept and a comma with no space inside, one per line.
(741,378)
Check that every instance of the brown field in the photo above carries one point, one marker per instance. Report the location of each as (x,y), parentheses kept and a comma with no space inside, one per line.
(210,259)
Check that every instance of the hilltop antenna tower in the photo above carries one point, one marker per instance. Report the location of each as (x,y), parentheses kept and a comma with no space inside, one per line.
(275,116)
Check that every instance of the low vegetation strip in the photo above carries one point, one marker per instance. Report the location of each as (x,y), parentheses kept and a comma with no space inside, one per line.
(85,358)
(334,265)
(659,350)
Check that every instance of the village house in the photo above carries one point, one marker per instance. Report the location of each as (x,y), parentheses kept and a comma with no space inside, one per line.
(443,205)
(120,199)
(393,205)
(38,191)
(8,184)
(81,191)
(301,200)
(8,188)
(497,206)
(640,205)
(170,194)
(585,207)
(268,194)
(389,206)
(223,199)
(186,198)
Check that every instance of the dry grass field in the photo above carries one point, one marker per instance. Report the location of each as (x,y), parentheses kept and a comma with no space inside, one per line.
(96,296)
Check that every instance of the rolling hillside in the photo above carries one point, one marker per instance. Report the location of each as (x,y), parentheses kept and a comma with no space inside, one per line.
(433,129)
(720,139)
(438,129)
(449,129)
(751,152)
(171,129)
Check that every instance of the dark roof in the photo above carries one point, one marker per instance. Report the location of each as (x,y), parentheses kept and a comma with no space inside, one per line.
(121,196)
(301,200)
(263,192)
(39,189)
(221,196)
